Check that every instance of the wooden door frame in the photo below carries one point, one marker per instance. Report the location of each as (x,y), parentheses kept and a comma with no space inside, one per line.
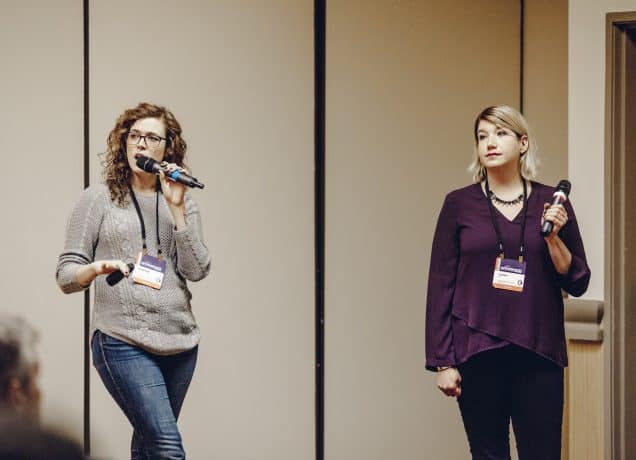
(617,24)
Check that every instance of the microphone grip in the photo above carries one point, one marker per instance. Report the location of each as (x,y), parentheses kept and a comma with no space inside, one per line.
(546,228)
(116,276)
(185,179)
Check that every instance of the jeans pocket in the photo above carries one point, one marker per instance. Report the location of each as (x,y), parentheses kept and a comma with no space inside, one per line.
(109,349)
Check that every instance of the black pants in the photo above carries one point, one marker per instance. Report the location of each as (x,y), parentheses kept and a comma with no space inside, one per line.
(512,384)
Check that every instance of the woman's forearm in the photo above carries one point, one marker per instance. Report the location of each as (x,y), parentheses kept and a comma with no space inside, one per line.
(178,215)
(559,253)
(86,274)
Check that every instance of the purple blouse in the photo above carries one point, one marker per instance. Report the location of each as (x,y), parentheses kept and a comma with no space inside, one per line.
(465,314)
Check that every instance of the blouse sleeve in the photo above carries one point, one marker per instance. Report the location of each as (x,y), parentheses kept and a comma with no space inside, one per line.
(576,280)
(441,287)
(193,257)
(82,232)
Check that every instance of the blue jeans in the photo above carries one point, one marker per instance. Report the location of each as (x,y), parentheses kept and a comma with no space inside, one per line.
(150,389)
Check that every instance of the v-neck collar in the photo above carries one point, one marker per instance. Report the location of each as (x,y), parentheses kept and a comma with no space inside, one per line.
(514,220)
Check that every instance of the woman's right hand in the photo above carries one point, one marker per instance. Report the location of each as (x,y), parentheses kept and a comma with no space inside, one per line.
(448,381)
(104,267)
(87,273)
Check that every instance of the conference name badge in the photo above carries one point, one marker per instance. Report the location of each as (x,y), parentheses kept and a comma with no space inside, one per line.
(149,271)
(509,274)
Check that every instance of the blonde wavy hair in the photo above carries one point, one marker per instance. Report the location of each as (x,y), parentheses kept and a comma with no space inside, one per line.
(506,117)
(116,170)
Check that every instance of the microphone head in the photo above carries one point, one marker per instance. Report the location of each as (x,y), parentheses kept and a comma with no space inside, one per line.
(145,163)
(564,186)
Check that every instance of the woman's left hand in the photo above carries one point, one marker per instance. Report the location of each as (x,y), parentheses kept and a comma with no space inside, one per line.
(173,192)
(556,214)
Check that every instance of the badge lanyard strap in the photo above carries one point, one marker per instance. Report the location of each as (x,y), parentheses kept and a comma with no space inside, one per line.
(495,224)
(143,226)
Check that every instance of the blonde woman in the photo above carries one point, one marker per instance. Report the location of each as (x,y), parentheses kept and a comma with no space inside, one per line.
(144,335)
(494,318)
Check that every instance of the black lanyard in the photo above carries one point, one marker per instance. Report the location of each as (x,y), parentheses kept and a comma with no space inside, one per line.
(143,226)
(495,224)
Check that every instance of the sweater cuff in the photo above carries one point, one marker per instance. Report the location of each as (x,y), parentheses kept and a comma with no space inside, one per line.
(186,235)
(433,364)
(575,281)
(67,279)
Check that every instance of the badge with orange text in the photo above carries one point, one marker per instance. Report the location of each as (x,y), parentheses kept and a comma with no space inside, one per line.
(149,271)
(509,274)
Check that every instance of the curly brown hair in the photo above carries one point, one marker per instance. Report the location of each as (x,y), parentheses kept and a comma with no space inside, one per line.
(116,170)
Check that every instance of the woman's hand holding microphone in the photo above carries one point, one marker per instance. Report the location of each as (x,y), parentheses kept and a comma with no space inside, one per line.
(556,214)
(87,273)
(559,253)
(174,193)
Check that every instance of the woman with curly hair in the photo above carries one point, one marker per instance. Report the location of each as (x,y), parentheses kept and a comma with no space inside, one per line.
(144,335)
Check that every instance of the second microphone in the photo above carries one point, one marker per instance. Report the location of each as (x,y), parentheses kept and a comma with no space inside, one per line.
(152,166)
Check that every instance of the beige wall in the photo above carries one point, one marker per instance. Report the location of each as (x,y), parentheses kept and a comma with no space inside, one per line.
(239,77)
(587,123)
(546,106)
(587,51)
(546,84)
(41,145)
(404,82)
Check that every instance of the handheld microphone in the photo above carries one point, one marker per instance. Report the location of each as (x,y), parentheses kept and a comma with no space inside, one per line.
(116,276)
(560,196)
(152,166)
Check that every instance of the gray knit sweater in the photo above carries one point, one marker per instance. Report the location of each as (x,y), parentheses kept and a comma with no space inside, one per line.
(159,321)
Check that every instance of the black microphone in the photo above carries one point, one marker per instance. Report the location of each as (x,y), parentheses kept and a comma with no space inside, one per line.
(152,166)
(560,196)
(115,277)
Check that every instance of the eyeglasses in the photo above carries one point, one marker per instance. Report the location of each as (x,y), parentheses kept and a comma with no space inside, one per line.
(151,140)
